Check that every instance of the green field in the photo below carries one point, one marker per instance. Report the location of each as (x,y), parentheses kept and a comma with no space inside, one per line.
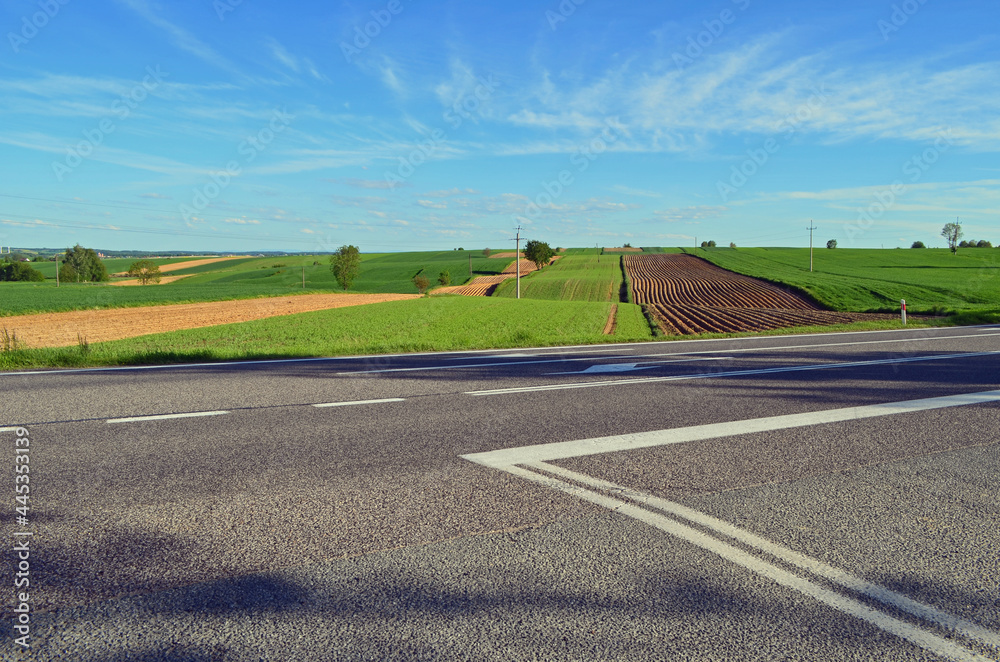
(565,303)
(243,279)
(874,280)
(583,275)
(425,324)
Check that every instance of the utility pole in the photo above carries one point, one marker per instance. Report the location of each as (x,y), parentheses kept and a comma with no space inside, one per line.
(811,228)
(517,258)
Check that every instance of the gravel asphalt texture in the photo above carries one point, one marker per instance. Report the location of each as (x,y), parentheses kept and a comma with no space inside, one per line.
(283,531)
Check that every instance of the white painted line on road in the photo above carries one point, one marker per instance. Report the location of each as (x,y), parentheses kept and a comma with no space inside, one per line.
(7,429)
(912,633)
(731,373)
(814,566)
(629,367)
(359,402)
(583,447)
(163,417)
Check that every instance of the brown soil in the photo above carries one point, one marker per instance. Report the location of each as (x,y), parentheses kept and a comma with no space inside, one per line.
(609,328)
(64,329)
(689,295)
(188,264)
(483,286)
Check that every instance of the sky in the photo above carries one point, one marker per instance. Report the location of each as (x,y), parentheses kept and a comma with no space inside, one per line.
(398,125)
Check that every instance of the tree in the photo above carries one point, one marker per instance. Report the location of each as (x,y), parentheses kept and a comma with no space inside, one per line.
(831,244)
(444,278)
(918,244)
(146,271)
(708,244)
(85,264)
(422,283)
(67,274)
(965,244)
(487,252)
(538,252)
(346,265)
(20,271)
(982,243)
(732,244)
(952,232)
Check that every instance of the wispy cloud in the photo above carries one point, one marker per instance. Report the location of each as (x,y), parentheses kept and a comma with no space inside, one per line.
(183,39)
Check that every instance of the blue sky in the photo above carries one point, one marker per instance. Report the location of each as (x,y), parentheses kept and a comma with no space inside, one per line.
(251,125)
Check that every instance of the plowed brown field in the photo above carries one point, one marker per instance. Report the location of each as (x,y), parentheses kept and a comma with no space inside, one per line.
(689,295)
(64,329)
(483,286)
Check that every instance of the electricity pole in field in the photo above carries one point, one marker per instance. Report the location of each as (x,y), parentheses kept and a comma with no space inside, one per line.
(811,228)
(517,258)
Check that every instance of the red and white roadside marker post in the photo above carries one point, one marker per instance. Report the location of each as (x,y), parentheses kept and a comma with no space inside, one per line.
(903,310)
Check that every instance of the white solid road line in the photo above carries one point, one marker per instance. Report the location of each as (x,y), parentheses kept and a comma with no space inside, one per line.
(731,373)
(847,605)
(583,447)
(7,429)
(163,417)
(359,402)
(818,568)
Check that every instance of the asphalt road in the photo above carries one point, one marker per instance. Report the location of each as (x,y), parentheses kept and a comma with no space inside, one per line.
(826,497)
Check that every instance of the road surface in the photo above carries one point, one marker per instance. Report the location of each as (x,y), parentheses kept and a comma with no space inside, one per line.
(815,497)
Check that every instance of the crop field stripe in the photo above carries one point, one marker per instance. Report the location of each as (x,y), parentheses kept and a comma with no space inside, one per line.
(359,402)
(732,373)
(164,417)
(845,604)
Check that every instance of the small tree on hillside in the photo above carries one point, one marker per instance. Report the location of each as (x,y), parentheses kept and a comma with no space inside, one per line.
(422,283)
(831,244)
(146,271)
(346,265)
(538,252)
(487,252)
(444,278)
(952,232)
(918,244)
(85,264)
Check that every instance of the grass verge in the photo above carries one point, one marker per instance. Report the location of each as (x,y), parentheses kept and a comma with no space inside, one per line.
(418,325)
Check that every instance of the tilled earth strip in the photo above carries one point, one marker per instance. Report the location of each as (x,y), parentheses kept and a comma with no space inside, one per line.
(65,329)
(688,295)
